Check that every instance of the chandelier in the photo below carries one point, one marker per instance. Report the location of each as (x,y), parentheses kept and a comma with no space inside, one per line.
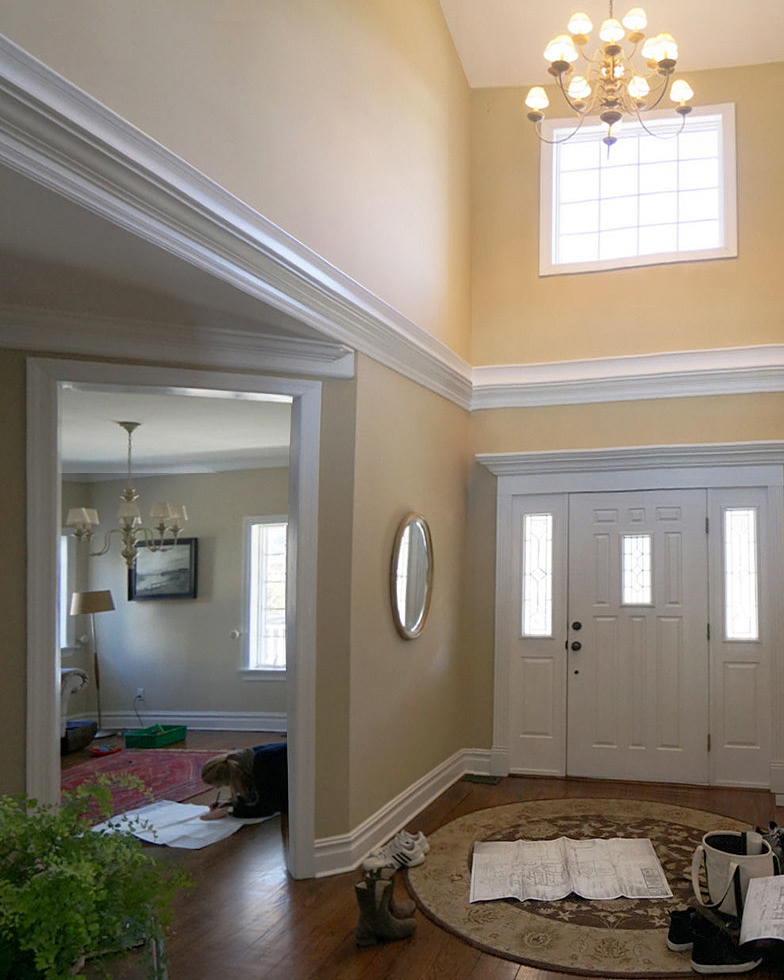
(170,519)
(610,84)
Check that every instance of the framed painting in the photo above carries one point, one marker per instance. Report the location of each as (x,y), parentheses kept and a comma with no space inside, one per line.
(167,574)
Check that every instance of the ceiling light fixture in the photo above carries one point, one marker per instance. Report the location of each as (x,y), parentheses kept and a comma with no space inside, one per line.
(170,519)
(611,85)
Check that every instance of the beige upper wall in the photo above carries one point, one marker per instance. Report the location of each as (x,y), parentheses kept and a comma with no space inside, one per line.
(519,317)
(346,122)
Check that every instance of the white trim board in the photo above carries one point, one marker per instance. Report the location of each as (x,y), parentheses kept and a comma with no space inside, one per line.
(680,374)
(45,377)
(335,855)
(62,138)
(201,721)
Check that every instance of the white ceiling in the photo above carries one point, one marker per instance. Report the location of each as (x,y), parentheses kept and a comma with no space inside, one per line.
(177,433)
(500,42)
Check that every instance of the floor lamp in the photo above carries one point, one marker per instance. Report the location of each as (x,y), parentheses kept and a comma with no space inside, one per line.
(89,603)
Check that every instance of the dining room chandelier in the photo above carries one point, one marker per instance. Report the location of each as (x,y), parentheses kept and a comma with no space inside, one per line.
(169,519)
(619,80)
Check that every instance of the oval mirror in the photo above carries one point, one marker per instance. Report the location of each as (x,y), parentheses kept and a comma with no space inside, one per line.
(411,576)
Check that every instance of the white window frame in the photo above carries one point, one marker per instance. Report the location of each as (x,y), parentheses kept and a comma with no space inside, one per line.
(727,179)
(248,672)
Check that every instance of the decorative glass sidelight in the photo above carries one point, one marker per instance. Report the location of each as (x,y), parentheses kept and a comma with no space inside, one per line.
(636,570)
(537,575)
(741,580)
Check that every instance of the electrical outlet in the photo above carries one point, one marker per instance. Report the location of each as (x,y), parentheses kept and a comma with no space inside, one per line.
(140,694)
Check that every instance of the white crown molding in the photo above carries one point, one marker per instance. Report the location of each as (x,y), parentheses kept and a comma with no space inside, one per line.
(70,333)
(62,138)
(632,458)
(680,374)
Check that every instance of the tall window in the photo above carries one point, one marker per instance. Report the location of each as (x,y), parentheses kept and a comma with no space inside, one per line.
(265,549)
(645,200)
(741,588)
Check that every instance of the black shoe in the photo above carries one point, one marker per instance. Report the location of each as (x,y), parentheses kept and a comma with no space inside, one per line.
(715,952)
(682,927)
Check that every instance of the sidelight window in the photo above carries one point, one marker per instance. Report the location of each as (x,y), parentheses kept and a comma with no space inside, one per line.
(537,575)
(741,586)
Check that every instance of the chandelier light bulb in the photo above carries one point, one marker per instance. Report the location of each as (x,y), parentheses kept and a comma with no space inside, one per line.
(681,91)
(537,99)
(611,31)
(579,88)
(638,88)
(561,50)
(580,24)
(636,20)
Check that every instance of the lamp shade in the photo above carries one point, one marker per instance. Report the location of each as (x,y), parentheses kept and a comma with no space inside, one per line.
(91,602)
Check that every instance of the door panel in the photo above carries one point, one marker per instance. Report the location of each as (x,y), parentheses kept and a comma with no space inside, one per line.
(638,686)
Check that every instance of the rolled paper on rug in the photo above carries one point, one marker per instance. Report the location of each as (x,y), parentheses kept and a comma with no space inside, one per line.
(617,938)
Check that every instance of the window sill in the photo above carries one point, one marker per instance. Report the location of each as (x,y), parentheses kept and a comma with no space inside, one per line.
(262,674)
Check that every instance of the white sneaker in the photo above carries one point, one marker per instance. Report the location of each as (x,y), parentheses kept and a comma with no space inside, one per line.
(418,840)
(395,854)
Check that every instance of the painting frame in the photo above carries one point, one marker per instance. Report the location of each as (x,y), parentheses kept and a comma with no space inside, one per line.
(169,574)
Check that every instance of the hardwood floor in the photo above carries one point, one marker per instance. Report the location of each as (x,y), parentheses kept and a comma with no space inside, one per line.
(247,918)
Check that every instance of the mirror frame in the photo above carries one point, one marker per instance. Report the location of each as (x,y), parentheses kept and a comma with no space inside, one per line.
(405,632)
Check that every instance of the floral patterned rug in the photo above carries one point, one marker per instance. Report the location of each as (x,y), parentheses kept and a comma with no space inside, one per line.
(620,938)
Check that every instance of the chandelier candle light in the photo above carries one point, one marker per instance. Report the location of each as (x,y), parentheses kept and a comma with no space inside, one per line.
(611,84)
(170,519)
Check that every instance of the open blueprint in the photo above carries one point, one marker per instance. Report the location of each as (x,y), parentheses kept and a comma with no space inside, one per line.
(547,870)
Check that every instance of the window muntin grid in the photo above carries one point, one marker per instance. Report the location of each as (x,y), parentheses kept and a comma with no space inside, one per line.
(537,599)
(741,578)
(648,200)
(636,570)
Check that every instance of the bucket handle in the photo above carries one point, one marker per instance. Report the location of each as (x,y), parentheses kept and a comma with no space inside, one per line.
(733,879)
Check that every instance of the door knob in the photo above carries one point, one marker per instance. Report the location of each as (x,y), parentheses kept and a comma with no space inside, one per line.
(577,646)
(577,625)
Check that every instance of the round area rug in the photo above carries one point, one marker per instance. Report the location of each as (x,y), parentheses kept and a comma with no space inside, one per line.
(620,938)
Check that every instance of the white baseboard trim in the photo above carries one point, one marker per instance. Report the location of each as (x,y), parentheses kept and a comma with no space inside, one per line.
(344,852)
(207,721)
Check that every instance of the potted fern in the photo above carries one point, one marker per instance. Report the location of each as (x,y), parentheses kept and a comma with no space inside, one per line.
(68,893)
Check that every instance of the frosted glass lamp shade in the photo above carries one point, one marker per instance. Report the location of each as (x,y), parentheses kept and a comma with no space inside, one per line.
(561,49)
(681,91)
(638,87)
(579,88)
(611,31)
(81,517)
(635,20)
(161,510)
(178,512)
(537,99)
(580,23)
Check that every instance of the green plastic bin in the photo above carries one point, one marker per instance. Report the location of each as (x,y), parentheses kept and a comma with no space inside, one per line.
(155,736)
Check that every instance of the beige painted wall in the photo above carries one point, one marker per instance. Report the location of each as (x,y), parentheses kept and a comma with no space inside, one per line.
(519,317)
(408,697)
(346,122)
(180,650)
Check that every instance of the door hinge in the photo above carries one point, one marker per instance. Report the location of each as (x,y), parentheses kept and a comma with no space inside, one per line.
(708,630)
(707,525)
(709,743)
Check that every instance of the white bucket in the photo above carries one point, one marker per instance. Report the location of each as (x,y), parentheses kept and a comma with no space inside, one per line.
(731,860)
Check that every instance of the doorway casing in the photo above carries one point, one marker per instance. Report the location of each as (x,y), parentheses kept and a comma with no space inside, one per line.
(755,464)
(45,379)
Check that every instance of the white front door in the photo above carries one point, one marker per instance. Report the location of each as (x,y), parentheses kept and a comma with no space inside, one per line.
(637,642)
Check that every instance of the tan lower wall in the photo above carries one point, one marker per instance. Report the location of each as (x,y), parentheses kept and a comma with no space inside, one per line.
(407,696)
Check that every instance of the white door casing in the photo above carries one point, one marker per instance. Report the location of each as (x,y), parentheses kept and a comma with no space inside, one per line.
(638,685)
(545,479)
(44,527)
